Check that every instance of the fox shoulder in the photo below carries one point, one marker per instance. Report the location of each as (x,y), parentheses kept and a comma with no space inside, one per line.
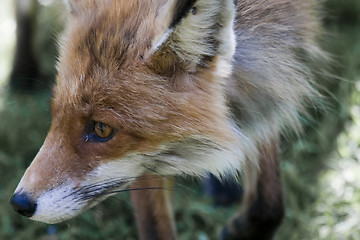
(272,80)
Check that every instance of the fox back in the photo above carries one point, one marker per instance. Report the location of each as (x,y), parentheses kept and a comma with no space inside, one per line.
(170,87)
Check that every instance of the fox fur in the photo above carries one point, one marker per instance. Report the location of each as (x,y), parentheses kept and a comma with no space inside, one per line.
(189,87)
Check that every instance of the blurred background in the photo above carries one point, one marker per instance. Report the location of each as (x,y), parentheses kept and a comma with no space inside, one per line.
(320,169)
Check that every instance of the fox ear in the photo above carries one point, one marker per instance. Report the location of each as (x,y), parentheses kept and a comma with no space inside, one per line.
(196,32)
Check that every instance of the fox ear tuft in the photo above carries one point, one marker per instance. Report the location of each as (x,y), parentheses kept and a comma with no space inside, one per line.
(197,31)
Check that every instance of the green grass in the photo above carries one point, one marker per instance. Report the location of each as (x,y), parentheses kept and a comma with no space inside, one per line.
(320,171)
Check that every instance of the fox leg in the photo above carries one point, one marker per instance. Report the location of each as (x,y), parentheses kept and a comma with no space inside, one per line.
(263,207)
(153,207)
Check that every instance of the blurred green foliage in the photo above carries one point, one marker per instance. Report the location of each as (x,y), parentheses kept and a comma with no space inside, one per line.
(321,184)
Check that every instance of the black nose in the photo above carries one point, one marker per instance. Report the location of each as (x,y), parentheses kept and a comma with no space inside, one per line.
(23,204)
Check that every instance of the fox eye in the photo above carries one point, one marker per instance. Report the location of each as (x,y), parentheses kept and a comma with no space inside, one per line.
(99,132)
(103,130)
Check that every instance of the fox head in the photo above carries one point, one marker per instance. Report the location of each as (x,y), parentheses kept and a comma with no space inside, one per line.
(140,88)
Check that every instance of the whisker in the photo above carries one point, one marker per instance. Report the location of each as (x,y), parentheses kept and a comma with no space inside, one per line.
(168,177)
(112,185)
(103,186)
(92,196)
(171,165)
(98,185)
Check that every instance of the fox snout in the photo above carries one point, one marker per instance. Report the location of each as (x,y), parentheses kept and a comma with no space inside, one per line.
(54,188)
(23,204)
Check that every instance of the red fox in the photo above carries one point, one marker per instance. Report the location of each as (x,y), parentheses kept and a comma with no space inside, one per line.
(151,88)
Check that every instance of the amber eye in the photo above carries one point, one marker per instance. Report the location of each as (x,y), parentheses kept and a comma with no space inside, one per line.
(103,130)
(98,132)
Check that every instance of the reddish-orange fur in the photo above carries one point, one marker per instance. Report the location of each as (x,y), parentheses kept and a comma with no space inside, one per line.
(210,93)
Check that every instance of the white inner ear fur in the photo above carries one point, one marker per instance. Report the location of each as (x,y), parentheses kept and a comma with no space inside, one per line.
(158,42)
(188,38)
(162,21)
